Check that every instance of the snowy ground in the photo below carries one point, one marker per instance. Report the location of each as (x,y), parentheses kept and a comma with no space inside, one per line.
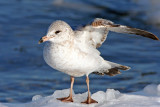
(148,97)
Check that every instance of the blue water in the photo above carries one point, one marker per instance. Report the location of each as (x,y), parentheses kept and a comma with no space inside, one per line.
(23,72)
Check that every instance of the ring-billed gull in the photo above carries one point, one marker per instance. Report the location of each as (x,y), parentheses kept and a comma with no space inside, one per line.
(75,53)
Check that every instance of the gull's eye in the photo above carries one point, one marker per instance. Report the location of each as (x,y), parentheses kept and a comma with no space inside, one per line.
(58,31)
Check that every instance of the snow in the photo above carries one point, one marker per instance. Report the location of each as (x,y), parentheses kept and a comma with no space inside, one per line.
(148,97)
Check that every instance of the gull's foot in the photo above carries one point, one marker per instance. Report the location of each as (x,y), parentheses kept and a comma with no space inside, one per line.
(66,99)
(89,101)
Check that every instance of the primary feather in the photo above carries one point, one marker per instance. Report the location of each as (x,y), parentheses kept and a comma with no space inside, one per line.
(99,28)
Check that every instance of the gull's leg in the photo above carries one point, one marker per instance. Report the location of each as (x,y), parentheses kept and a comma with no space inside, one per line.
(69,98)
(89,99)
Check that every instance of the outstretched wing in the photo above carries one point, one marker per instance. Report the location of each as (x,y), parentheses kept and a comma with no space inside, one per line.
(97,31)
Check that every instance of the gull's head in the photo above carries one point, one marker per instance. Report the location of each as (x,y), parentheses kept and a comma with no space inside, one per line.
(58,31)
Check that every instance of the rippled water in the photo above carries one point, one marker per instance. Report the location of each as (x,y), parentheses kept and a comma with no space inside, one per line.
(23,72)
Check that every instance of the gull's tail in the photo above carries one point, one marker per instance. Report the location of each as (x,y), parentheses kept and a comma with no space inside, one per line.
(112,69)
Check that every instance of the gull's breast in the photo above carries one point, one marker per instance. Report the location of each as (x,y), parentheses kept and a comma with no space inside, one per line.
(70,60)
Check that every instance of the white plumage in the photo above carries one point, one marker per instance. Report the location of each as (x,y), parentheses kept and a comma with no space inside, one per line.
(75,53)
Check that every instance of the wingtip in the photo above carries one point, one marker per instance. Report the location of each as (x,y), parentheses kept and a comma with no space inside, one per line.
(156,38)
(122,67)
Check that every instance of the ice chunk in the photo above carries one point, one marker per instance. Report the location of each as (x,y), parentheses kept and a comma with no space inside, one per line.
(78,98)
(148,97)
(151,89)
(62,93)
(36,97)
(99,96)
(112,94)
(158,90)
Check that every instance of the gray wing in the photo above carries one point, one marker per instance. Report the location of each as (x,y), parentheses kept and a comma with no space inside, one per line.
(99,29)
